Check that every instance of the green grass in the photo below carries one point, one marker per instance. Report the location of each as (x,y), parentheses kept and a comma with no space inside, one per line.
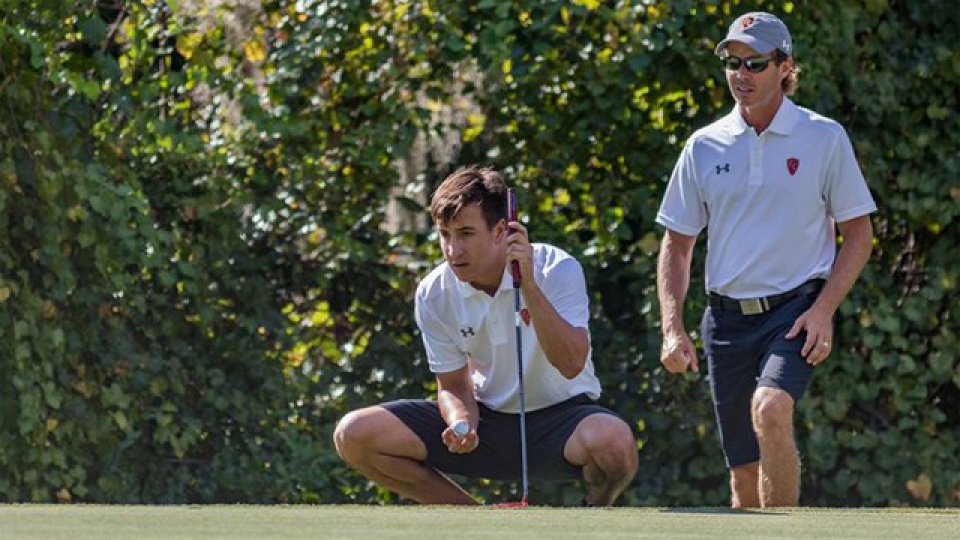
(81,522)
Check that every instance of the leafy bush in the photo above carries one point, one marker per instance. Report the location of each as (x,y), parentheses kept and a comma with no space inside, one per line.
(198,275)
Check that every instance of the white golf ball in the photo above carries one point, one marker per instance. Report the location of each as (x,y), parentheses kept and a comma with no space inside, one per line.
(461,428)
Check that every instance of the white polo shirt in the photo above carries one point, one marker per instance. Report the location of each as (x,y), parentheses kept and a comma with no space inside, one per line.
(769,202)
(465,326)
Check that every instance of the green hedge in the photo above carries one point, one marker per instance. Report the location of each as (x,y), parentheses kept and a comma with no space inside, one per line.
(196,281)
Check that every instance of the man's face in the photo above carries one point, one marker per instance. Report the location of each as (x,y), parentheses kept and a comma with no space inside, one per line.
(755,90)
(476,253)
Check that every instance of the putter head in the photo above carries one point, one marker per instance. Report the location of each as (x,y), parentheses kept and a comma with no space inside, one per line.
(512,505)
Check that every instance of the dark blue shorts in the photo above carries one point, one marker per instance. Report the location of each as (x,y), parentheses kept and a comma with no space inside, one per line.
(498,456)
(747,351)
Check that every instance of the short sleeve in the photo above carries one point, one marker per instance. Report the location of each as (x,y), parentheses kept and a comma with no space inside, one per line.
(845,189)
(682,209)
(443,354)
(566,288)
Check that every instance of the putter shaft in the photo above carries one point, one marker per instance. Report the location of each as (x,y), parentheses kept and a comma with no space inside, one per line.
(523,412)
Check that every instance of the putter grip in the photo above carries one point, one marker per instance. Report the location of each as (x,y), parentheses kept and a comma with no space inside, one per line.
(512,215)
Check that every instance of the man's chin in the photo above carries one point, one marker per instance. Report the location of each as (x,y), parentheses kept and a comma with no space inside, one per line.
(460,273)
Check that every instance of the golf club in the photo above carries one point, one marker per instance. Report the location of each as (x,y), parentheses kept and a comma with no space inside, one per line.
(515,272)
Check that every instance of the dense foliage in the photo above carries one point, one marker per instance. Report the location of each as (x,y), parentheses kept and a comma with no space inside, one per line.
(198,274)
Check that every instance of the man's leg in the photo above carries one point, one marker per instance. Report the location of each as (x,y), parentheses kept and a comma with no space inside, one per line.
(732,361)
(382,448)
(745,486)
(604,446)
(772,411)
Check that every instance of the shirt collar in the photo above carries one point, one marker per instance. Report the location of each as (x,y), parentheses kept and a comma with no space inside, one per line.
(782,124)
(467,290)
(735,122)
(785,118)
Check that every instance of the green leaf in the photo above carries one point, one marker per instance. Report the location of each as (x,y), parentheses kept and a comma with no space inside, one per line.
(93,29)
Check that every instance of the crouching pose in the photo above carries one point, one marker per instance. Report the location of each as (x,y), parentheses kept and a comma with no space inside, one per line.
(465,310)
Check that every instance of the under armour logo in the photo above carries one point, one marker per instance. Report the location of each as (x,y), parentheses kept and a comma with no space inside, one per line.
(468,331)
(725,168)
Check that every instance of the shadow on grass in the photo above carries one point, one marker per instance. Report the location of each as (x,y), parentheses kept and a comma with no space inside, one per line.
(730,511)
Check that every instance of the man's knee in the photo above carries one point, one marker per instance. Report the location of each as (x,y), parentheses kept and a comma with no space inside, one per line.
(610,443)
(355,432)
(365,433)
(772,411)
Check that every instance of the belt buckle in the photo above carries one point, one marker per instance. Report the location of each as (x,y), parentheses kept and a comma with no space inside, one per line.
(753,306)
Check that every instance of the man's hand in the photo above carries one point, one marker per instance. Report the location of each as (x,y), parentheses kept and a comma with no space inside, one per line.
(457,406)
(678,353)
(520,250)
(819,327)
(460,445)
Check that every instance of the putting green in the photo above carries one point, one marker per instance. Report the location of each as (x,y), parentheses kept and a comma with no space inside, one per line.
(80,522)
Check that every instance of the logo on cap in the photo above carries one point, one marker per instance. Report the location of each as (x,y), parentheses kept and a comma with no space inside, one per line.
(747,22)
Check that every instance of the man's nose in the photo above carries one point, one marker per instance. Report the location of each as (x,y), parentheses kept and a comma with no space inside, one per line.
(453,248)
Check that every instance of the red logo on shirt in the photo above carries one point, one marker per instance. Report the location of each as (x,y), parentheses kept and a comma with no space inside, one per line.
(792,165)
(525,315)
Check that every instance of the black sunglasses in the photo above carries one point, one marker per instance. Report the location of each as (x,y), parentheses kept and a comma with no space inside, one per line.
(757,64)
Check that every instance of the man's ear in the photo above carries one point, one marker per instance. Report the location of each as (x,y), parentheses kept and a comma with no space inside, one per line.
(501,230)
(786,66)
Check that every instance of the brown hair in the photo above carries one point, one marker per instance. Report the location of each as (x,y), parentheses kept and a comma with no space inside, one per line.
(792,80)
(469,186)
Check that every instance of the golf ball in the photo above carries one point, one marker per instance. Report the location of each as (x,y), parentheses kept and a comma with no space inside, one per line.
(461,428)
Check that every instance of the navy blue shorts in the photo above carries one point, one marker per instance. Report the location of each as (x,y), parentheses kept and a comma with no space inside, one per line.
(498,456)
(747,351)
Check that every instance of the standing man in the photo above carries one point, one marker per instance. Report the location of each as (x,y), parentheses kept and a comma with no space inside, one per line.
(465,311)
(770,181)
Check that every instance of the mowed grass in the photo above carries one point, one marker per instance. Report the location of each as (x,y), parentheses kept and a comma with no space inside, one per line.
(81,522)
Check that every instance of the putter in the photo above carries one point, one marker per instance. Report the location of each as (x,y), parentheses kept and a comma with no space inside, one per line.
(515,272)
